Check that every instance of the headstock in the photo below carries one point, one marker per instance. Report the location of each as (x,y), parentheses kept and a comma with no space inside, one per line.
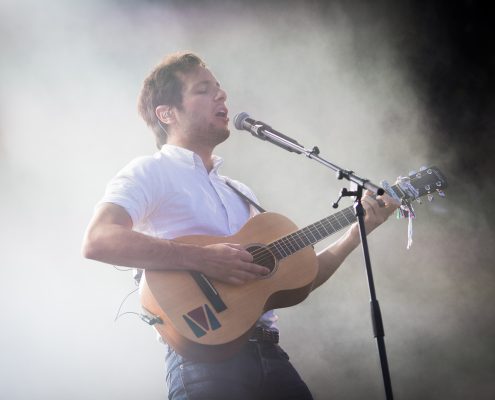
(427,181)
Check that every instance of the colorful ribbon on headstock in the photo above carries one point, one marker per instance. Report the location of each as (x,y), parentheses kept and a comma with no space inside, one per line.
(406,209)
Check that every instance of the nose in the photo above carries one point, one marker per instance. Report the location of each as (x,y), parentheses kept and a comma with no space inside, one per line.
(221,95)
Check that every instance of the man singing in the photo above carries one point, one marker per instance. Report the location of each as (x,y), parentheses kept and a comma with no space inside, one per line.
(178,191)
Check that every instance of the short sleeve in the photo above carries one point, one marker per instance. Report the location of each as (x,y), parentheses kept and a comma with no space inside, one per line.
(135,189)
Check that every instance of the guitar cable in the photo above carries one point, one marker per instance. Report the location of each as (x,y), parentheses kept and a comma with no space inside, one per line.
(122,269)
(119,314)
(149,319)
(146,318)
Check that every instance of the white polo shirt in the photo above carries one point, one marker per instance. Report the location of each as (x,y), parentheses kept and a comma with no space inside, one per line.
(171,194)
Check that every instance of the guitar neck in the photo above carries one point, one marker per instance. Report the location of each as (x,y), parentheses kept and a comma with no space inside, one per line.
(313,233)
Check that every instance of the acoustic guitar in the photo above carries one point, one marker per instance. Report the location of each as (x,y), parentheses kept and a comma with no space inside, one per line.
(207,320)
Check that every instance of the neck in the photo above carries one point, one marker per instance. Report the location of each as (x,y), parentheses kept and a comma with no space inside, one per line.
(206,156)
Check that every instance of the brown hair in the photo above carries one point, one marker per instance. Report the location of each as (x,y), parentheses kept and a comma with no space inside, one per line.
(163,86)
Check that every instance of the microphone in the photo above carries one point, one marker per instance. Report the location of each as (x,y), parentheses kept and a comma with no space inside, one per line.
(263,131)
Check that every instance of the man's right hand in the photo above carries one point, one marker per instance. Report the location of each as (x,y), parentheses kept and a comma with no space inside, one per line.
(229,263)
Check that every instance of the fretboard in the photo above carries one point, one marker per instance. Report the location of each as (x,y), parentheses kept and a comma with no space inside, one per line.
(318,231)
(313,233)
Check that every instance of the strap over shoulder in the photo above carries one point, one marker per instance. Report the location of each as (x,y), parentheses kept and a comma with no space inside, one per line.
(244,197)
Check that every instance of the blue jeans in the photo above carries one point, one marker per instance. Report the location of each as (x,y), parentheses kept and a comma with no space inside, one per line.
(260,371)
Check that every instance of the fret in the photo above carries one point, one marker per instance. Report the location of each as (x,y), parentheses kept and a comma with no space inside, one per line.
(306,239)
(335,222)
(290,244)
(310,234)
(299,240)
(277,251)
(348,215)
(317,232)
(324,228)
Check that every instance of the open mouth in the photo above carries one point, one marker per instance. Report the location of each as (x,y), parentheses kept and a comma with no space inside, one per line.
(221,114)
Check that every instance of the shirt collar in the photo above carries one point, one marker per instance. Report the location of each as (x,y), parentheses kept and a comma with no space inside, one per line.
(188,157)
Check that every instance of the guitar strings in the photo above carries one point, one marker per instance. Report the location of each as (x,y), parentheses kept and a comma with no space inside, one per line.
(291,243)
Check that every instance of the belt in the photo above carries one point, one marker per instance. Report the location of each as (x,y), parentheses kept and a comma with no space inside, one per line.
(265,335)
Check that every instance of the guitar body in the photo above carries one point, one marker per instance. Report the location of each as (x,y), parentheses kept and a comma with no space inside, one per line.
(190,323)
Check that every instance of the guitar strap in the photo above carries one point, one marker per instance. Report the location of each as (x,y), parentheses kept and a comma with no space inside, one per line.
(244,197)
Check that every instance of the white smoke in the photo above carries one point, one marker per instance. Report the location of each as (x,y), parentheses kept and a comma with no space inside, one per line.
(70,74)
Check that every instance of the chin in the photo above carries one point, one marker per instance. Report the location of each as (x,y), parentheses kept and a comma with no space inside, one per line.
(221,135)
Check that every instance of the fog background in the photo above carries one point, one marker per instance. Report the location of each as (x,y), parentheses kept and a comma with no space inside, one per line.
(380,89)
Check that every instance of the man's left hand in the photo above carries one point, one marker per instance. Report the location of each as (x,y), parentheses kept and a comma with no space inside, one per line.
(377,209)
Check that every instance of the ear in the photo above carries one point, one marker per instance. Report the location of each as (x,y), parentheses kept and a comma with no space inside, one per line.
(165,114)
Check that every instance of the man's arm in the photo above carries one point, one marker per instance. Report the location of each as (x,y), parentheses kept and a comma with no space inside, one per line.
(110,239)
(377,211)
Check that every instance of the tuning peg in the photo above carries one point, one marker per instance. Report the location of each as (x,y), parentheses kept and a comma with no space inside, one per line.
(430,197)
(441,193)
(423,168)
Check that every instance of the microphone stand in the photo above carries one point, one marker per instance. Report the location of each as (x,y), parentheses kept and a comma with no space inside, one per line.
(265,132)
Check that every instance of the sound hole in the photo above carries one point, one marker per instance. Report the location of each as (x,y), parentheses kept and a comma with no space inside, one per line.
(263,256)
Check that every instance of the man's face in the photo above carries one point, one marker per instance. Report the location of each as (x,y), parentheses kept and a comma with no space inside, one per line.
(203,117)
